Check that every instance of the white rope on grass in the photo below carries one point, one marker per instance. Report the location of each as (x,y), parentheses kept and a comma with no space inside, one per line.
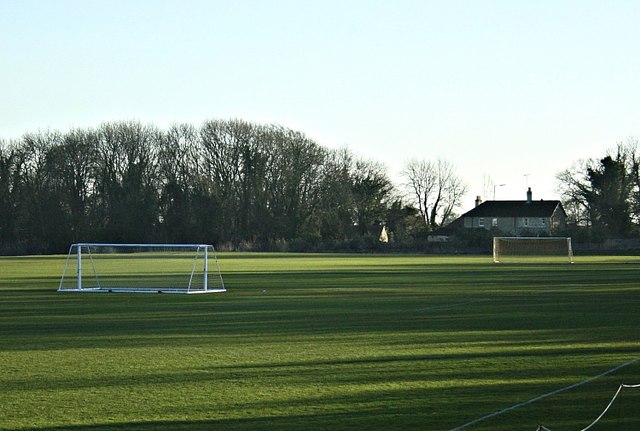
(606,408)
(540,397)
(542,428)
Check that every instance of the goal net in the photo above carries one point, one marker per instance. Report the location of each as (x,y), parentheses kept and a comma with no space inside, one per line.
(543,249)
(141,268)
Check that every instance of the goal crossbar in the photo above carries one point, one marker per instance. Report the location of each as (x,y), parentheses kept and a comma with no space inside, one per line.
(141,268)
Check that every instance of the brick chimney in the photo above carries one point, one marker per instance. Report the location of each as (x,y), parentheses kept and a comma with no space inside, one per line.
(478,200)
(529,196)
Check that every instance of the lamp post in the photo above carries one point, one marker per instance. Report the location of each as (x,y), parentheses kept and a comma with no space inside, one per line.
(494,190)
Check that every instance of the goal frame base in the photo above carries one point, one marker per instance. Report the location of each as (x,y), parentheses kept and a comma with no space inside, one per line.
(207,251)
(139,290)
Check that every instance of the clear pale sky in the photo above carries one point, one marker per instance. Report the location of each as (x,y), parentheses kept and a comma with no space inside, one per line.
(513,90)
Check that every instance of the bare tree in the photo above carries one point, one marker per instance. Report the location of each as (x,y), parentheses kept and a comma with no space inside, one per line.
(421,179)
(435,188)
(573,185)
(127,180)
(334,217)
(451,190)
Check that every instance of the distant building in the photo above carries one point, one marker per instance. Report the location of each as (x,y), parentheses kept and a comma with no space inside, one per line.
(515,218)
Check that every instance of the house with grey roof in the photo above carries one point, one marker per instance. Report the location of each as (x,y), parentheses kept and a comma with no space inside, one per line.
(515,218)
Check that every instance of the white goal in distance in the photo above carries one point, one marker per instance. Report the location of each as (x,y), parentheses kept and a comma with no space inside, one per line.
(141,268)
(541,249)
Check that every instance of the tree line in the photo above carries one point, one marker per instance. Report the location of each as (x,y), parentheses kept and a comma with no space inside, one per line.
(228,182)
(241,185)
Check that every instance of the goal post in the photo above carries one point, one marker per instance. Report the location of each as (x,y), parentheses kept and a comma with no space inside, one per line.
(141,268)
(532,248)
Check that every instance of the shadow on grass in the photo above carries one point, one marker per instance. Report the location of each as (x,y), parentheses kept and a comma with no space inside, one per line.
(325,421)
(262,423)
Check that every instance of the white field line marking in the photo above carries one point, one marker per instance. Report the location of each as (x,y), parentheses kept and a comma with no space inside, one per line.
(548,394)
(457,304)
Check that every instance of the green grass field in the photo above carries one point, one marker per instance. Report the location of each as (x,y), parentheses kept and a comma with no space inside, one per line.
(326,342)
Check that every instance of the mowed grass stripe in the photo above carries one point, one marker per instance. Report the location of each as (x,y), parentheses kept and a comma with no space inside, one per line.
(321,342)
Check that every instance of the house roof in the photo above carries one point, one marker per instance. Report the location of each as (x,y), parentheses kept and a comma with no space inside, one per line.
(514,209)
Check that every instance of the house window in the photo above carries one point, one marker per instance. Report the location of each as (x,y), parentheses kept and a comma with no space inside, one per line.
(526,221)
(481,222)
(494,222)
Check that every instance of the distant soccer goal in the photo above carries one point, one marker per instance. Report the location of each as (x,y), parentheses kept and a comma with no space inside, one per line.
(542,249)
(141,268)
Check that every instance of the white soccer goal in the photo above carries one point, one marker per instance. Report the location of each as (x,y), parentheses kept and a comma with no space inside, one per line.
(141,268)
(532,249)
